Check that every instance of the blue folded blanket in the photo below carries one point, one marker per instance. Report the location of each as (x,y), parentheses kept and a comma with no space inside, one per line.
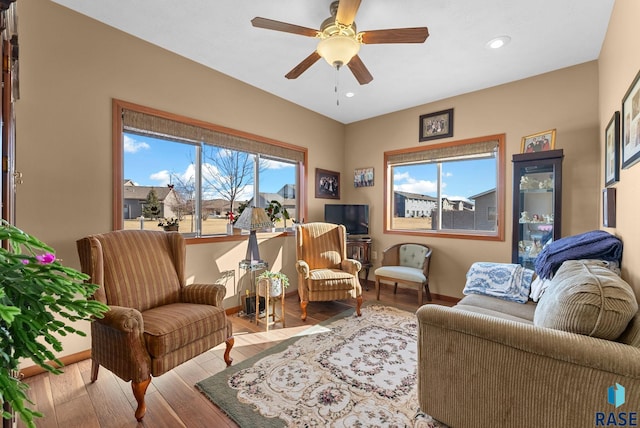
(596,244)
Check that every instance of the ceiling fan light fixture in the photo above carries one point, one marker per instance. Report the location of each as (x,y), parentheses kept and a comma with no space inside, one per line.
(338,50)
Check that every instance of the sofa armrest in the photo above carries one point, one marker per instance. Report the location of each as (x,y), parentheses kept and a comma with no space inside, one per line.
(204,294)
(478,370)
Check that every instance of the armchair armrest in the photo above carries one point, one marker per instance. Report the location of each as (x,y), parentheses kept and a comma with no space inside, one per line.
(303,268)
(351,265)
(516,373)
(125,320)
(205,294)
(121,328)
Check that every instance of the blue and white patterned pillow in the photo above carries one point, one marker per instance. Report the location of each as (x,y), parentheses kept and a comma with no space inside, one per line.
(505,281)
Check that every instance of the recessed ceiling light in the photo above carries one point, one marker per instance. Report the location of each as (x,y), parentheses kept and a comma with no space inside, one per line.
(498,42)
(349,94)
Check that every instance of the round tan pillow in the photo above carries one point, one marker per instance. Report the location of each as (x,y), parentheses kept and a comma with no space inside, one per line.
(585,297)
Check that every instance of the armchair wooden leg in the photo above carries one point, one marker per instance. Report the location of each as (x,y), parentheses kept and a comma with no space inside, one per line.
(227,357)
(139,389)
(426,287)
(94,370)
(303,308)
(358,305)
(377,288)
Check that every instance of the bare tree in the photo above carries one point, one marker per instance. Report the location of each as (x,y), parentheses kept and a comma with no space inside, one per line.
(228,172)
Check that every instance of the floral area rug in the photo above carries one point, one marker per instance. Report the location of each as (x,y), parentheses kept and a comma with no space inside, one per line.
(347,372)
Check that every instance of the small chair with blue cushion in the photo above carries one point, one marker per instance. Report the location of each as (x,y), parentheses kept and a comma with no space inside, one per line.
(405,264)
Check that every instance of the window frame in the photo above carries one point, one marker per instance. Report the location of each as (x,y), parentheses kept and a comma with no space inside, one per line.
(497,235)
(118,107)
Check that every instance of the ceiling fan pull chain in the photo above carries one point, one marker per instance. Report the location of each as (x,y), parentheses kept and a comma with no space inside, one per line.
(336,87)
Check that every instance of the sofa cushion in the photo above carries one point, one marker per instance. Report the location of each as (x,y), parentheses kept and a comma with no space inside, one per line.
(586,297)
(498,307)
(502,280)
(402,272)
(631,335)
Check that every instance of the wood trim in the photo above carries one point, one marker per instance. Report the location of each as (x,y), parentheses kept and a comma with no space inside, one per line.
(118,174)
(500,191)
(69,359)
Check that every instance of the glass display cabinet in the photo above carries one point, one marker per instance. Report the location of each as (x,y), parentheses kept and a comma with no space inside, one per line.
(537,203)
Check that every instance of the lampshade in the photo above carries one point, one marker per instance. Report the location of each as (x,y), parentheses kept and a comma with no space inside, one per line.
(253,218)
(338,50)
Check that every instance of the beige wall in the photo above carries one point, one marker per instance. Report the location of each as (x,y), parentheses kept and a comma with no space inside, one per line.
(618,64)
(71,67)
(566,100)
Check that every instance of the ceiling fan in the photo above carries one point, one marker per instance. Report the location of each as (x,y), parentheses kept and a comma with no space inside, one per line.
(340,42)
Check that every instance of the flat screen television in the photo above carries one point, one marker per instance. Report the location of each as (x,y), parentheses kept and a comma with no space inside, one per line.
(354,217)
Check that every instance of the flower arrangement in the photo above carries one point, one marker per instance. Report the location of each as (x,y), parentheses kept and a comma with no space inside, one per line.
(37,295)
(276,212)
(169,223)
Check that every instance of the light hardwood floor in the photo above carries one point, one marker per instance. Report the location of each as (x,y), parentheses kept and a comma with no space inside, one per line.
(70,400)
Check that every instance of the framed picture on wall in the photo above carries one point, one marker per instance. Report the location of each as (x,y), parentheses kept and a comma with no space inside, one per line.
(631,124)
(436,125)
(540,142)
(612,151)
(327,184)
(363,177)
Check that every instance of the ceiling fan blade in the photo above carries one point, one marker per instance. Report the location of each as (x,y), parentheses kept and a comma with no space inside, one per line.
(303,66)
(270,24)
(347,10)
(396,35)
(359,70)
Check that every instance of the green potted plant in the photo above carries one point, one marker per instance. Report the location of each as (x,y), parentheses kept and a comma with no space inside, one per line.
(278,281)
(276,212)
(169,224)
(37,295)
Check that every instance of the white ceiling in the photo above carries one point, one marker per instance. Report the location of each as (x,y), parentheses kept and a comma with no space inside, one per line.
(546,35)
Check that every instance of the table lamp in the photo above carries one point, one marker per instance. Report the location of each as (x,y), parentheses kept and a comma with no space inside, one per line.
(252,219)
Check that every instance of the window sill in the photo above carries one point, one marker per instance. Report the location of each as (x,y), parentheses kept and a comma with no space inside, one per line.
(227,238)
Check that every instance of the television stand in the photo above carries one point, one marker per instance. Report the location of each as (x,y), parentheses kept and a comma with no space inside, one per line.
(359,248)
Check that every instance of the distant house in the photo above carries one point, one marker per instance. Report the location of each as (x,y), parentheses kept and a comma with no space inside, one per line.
(413,204)
(486,207)
(136,196)
(457,205)
(286,196)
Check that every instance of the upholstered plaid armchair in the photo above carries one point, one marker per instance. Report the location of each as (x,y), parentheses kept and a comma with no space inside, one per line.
(324,271)
(155,321)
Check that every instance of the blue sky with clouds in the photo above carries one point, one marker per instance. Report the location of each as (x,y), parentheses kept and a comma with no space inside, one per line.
(154,162)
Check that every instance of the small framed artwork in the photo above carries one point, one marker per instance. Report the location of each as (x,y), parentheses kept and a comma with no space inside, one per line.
(436,125)
(540,142)
(327,184)
(631,124)
(612,151)
(363,177)
(609,207)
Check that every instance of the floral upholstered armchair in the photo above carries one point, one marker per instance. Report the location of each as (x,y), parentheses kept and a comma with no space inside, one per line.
(324,271)
(155,321)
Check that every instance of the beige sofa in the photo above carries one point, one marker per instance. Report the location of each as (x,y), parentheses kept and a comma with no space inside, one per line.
(487,362)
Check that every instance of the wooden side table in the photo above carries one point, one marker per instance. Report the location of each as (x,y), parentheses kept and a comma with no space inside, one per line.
(264,289)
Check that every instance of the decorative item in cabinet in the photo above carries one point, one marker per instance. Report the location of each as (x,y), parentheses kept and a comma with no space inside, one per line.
(359,248)
(537,203)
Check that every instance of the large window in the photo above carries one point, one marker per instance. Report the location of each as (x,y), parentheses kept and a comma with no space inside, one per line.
(168,166)
(451,189)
